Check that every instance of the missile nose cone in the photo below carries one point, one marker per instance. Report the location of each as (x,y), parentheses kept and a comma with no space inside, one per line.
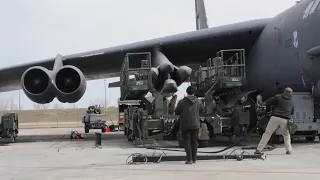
(170,86)
(154,74)
(166,68)
(186,70)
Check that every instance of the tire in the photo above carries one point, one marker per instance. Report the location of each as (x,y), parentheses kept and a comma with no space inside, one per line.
(103,130)
(203,143)
(180,144)
(310,138)
(277,139)
(121,127)
(86,130)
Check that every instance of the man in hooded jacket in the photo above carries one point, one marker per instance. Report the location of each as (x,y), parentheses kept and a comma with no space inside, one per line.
(282,111)
(189,109)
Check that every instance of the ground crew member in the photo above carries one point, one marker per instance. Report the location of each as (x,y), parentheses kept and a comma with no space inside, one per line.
(282,111)
(189,108)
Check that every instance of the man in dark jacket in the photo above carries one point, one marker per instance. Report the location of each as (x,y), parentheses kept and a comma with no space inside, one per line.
(282,111)
(189,109)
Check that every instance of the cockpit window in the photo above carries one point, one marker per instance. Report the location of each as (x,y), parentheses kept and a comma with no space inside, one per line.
(317,5)
(313,5)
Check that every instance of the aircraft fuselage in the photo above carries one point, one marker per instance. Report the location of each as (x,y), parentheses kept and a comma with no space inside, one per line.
(279,57)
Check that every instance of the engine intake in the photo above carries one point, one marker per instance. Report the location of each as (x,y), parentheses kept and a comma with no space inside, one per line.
(70,84)
(37,85)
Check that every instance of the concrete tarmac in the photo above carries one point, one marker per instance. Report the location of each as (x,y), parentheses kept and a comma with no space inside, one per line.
(49,154)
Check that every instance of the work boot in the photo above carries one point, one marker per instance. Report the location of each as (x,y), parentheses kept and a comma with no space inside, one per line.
(188,162)
(288,152)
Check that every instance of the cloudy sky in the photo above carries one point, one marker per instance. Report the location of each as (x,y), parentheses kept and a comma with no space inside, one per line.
(32,30)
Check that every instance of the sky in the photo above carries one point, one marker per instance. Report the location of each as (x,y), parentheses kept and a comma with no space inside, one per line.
(38,29)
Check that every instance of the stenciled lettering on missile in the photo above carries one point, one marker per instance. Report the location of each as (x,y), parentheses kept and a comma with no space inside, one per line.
(295,39)
(312,6)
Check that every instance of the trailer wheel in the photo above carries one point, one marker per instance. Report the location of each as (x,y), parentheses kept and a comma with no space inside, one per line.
(203,143)
(180,144)
(277,139)
(310,138)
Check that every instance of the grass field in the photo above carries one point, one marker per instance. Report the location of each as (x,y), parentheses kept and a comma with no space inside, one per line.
(58,117)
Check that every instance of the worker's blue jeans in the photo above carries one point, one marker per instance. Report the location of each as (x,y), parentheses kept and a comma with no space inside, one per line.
(190,140)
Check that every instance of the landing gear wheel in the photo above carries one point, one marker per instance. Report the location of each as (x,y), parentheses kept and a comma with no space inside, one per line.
(277,139)
(310,138)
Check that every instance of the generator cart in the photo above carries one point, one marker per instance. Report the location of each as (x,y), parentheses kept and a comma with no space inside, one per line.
(9,126)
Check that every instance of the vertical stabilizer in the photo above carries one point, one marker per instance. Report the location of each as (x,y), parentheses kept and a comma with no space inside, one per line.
(201,17)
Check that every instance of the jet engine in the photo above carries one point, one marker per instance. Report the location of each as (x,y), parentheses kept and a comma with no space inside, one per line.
(37,85)
(70,84)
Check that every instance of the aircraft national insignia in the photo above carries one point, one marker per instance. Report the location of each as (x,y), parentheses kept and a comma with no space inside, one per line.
(295,39)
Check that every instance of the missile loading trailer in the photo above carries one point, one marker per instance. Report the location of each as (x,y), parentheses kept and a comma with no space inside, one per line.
(230,110)
(219,85)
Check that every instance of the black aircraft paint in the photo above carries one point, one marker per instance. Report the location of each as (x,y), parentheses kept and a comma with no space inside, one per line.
(280,51)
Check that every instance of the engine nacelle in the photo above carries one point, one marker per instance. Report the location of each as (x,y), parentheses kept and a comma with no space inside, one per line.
(37,84)
(70,84)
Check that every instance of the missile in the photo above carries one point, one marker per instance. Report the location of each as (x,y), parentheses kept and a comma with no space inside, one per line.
(154,73)
(170,86)
(166,77)
(181,74)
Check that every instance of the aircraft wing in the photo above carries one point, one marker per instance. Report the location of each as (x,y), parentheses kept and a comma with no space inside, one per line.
(181,49)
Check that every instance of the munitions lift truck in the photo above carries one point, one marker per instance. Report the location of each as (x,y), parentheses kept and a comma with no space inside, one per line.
(9,126)
(147,117)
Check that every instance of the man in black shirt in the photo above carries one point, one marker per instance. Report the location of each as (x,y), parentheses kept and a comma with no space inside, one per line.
(189,109)
(282,111)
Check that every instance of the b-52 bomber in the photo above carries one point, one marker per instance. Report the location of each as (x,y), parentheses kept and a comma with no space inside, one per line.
(280,51)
